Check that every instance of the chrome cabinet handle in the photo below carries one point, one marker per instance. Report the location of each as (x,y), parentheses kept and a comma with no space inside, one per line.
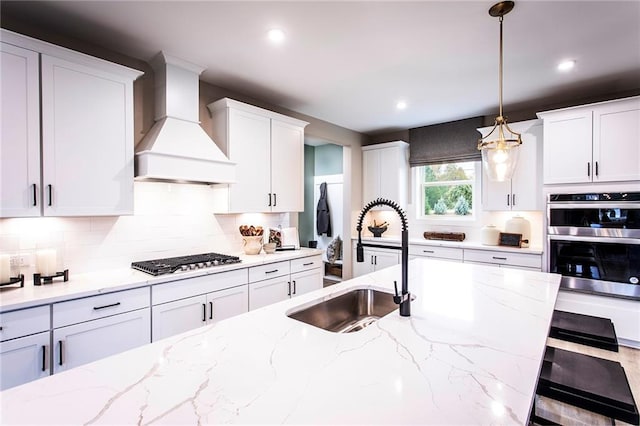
(50,196)
(499,258)
(307,264)
(508,199)
(275,200)
(428,251)
(589,169)
(204,312)
(271,272)
(289,288)
(35,199)
(294,286)
(513,199)
(596,168)
(210,310)
(269,200)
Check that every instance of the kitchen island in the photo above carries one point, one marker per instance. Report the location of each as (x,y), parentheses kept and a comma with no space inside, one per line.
(470,353)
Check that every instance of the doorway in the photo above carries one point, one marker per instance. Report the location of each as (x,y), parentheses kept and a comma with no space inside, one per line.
(324,164)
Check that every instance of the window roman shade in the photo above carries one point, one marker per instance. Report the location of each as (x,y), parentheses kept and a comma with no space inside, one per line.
(445,143)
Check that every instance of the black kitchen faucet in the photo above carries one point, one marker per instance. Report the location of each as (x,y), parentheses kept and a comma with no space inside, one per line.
(404,299)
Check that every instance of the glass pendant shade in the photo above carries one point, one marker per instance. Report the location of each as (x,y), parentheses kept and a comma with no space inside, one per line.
(500,154)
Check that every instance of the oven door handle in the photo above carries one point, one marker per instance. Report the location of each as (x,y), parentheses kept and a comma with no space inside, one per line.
(595,239)
(593,205)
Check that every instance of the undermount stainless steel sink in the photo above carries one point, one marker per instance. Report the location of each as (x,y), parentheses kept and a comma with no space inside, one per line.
(348,312)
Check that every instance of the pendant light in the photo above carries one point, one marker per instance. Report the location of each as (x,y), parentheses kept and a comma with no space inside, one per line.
(500,147)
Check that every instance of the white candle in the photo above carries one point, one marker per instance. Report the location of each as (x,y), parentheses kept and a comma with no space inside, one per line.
(46,262)
(5,268)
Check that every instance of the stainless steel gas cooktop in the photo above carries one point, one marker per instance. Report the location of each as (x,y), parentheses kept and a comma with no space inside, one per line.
(183,263)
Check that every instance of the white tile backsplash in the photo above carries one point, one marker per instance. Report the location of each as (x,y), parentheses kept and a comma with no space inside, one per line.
(169,220)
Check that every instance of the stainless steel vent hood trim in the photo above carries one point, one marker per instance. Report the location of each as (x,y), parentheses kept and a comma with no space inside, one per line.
(176,148)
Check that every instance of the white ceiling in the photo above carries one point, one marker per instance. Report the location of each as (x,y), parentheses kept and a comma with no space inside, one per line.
(349,62)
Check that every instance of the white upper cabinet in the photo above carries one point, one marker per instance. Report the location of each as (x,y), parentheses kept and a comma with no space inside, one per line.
(268,149)
(385,172)
(523,191)
(84,107)
(592,143)
(20,132)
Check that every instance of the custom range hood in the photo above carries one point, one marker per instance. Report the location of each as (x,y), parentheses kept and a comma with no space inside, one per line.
(176,148)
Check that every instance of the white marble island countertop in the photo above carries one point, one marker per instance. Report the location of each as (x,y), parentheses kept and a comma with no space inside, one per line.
(469,354)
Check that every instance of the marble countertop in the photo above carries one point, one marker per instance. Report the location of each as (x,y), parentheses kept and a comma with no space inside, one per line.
(395,241)
(469,354)
(94,283)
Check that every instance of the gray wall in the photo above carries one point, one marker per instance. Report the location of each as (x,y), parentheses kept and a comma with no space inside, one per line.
(328,160)
(305,219)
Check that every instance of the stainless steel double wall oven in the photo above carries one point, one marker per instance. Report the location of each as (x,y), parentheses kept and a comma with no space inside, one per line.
(594,242)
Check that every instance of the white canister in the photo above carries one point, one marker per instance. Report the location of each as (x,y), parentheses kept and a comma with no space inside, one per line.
(519,225)
(489,235)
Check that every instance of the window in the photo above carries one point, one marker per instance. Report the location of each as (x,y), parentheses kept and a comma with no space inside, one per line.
(448,191)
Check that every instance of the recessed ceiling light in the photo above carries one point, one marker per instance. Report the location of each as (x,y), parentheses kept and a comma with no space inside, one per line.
(401,105)
(276,35)
(566,65)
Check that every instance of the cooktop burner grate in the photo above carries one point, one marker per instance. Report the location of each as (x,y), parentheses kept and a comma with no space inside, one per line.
(183,263)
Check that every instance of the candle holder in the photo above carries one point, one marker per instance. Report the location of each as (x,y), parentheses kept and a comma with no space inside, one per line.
(15,280)
(40,279)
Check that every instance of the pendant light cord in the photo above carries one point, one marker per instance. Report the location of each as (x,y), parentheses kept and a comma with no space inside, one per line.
(500,73)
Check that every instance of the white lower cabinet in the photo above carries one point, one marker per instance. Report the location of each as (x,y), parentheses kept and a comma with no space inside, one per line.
(24,359)
(183,305)
(527,261)
(283,280)
(266,292)
(186,314)
(305,282)
(24,346)
(90,341)
(374,260)
(86,330)
(437,252)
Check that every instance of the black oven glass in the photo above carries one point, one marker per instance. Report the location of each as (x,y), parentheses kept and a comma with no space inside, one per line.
(585,217)
(594,260)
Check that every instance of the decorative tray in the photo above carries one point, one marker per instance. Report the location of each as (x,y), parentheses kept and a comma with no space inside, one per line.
(446,236)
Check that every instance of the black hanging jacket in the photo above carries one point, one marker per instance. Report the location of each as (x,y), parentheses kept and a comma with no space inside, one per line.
(323,221)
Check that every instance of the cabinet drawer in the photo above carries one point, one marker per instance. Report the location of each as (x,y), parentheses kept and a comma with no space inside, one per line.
(189,287)
(104,305)
(503,258)
(24,322)
(272,270)
(436,251)
(306,263)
